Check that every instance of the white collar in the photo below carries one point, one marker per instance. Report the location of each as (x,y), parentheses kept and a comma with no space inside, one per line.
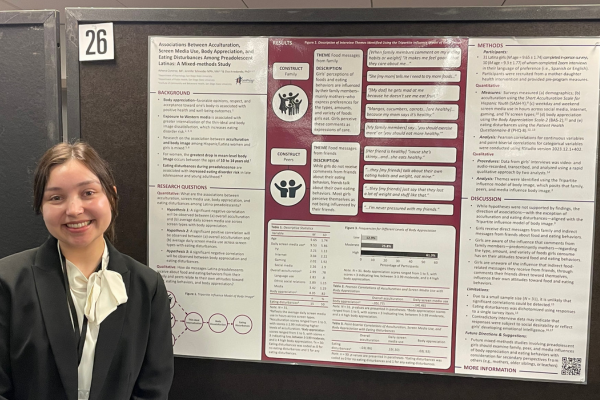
(104,290)
(77,280)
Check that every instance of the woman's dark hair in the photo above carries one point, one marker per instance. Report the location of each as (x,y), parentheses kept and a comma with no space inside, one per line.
(85,154)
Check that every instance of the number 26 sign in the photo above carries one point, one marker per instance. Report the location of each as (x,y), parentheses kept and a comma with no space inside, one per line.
(96,42)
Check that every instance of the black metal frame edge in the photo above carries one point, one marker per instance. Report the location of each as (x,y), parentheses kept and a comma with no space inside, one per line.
(50,21)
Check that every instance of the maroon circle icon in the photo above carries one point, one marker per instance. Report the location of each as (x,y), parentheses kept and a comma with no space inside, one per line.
(172,299)
(242,324)
(193,322)
(217,323)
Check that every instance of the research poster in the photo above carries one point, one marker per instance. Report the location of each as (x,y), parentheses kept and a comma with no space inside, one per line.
(410,204)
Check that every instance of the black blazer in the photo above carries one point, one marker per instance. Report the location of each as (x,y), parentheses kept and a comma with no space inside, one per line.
(38,352)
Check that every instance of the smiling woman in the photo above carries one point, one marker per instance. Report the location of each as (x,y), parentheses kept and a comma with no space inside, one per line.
(75,192)
(94,322)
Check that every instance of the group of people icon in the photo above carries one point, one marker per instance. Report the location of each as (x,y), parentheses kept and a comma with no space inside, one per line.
(289,104)
(290,190)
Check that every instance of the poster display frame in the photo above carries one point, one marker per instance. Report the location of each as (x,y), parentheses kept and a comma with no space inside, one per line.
(75,16)
(49,20)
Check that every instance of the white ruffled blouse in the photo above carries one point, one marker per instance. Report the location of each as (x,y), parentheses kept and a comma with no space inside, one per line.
(95,297)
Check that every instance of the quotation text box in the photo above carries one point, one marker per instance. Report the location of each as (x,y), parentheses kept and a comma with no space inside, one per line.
(413,92)
(410,154)
(413,76)
(412,111)
(407,208)
(414,57)
(407,173)
(415,130)
(408,192)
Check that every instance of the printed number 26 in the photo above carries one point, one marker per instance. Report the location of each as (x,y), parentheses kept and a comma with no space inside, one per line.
(100,42)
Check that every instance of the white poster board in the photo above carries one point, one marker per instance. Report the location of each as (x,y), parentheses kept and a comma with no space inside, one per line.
(413,204)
